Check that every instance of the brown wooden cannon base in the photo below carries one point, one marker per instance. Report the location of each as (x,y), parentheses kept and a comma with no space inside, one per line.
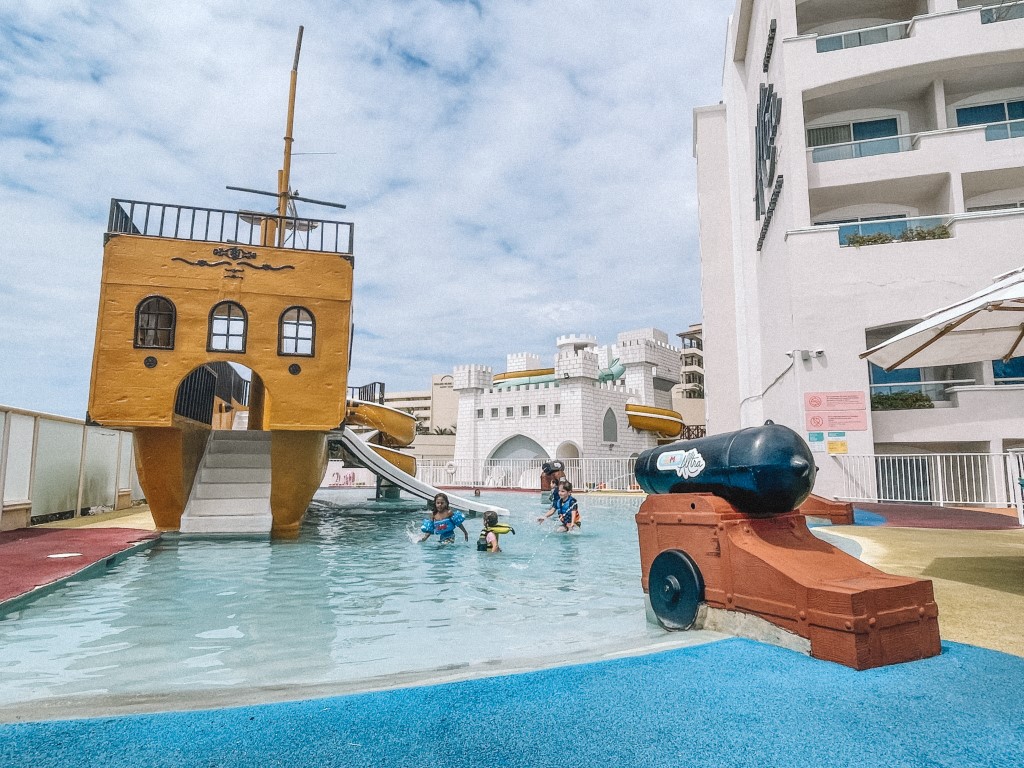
(775,568)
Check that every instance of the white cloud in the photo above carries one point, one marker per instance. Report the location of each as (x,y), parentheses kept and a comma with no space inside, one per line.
(516,170)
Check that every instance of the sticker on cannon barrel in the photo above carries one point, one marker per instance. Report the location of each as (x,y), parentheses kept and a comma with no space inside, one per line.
(685,463)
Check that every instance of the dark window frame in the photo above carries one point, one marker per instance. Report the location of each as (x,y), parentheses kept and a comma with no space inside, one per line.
(227,335)
(174,321)
(296,339)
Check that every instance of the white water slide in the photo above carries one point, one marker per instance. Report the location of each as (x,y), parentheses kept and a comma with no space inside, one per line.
(381,467)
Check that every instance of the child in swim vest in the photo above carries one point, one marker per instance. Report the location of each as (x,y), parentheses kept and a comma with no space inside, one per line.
(488,541)
(565,507)
(443,521)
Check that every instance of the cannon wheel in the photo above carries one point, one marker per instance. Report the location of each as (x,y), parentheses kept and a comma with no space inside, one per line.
(676,589)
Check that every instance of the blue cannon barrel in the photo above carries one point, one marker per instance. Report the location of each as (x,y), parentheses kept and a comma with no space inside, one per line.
(763,470)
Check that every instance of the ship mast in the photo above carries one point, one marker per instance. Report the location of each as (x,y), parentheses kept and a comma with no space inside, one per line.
(284,175)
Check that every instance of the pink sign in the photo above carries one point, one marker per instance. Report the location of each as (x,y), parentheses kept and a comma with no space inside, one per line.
(853,400)
(836,421)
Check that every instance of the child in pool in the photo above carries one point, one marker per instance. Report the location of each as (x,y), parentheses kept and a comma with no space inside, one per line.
(488,541)
(443,521)
(565,507)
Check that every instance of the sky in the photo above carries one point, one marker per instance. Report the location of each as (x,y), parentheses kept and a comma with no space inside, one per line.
(516,170)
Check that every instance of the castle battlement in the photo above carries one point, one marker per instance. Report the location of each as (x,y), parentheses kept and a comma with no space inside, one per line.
(472,377)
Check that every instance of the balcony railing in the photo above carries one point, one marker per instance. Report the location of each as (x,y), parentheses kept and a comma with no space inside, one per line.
(895,229)
(867,36)
(1004,12)
(864,148)
(183,222)
(1011,129)
(936,391)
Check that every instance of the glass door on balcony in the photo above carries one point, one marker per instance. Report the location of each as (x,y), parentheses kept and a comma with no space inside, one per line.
(1003,120)
(856,139)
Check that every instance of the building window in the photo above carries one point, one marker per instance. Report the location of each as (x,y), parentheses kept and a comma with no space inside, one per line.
(558,409)
(525,410)
(509,412)
(610,430)
(297,332)
(542,410)
(860,139)
(479,413)
(1005,119)
(154,323)
(494,413)
(227,328)
(1012,369)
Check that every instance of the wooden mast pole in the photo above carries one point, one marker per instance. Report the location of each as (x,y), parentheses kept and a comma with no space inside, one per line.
(283,178)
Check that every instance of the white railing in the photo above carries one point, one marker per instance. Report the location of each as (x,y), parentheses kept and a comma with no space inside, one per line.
(53,464)
(586,474)
(864,148)
(971,479)
(868,36)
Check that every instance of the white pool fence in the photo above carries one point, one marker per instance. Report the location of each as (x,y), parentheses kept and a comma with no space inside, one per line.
(53,464)
(956,479)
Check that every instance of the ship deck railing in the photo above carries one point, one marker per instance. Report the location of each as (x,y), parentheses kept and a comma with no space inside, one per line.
(215,225)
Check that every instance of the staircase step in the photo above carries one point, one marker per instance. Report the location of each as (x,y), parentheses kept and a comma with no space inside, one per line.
(240,434)
(234,474)
(227,508)
(240,460)
(232,491)
(246,447)
(248,524)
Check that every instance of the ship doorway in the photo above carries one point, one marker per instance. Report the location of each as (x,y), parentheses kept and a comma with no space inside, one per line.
(222,395)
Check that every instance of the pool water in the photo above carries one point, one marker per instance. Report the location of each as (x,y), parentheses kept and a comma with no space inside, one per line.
(355,598)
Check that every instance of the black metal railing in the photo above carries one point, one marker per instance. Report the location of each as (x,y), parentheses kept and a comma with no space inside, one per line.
(183,222)
(195,395)
(369,393)
(693,432)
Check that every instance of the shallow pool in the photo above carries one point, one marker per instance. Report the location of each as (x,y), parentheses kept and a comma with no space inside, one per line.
(353,599)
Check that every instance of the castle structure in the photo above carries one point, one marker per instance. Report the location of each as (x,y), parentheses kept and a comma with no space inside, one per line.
(583,406)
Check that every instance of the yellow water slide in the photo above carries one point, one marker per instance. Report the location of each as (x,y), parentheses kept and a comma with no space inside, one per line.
(663,421)
(393,429)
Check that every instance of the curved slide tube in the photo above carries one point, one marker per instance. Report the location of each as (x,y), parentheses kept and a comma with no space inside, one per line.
(545,375)
(368,457)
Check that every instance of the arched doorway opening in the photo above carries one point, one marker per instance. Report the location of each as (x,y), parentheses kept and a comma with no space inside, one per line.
(224,395)
(515,462)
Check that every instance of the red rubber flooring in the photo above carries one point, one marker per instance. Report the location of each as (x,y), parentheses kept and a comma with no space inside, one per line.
(926,516)
(25,561)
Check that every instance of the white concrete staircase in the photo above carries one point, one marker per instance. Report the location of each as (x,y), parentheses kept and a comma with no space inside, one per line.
(231,493)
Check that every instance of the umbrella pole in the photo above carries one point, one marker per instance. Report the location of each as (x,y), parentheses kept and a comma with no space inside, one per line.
(1016,343)
(932,340)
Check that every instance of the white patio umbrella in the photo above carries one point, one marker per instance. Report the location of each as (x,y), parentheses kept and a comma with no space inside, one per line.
(986,326)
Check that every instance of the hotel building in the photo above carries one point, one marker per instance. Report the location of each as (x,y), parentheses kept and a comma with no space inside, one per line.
(864,167)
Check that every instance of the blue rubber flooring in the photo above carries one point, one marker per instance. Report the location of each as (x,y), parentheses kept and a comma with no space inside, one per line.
(729,703)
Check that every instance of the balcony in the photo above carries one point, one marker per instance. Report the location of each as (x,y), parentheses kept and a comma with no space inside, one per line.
(183,222)
(868,36)
(1009,129)
(1004,12)
(922,394)
(824,54)
(881,231)
(867,148)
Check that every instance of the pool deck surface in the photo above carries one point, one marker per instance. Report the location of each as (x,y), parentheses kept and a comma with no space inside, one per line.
(730,702)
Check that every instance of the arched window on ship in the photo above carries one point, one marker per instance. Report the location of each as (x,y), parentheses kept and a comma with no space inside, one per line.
(154,323)
(228,322)
(297,332)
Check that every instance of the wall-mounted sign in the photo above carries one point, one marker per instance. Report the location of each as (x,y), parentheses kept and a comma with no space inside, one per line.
(845,421)
(851,400)
(838,446)
(816,441)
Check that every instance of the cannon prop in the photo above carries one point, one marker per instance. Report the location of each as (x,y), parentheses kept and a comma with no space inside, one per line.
(721,529)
